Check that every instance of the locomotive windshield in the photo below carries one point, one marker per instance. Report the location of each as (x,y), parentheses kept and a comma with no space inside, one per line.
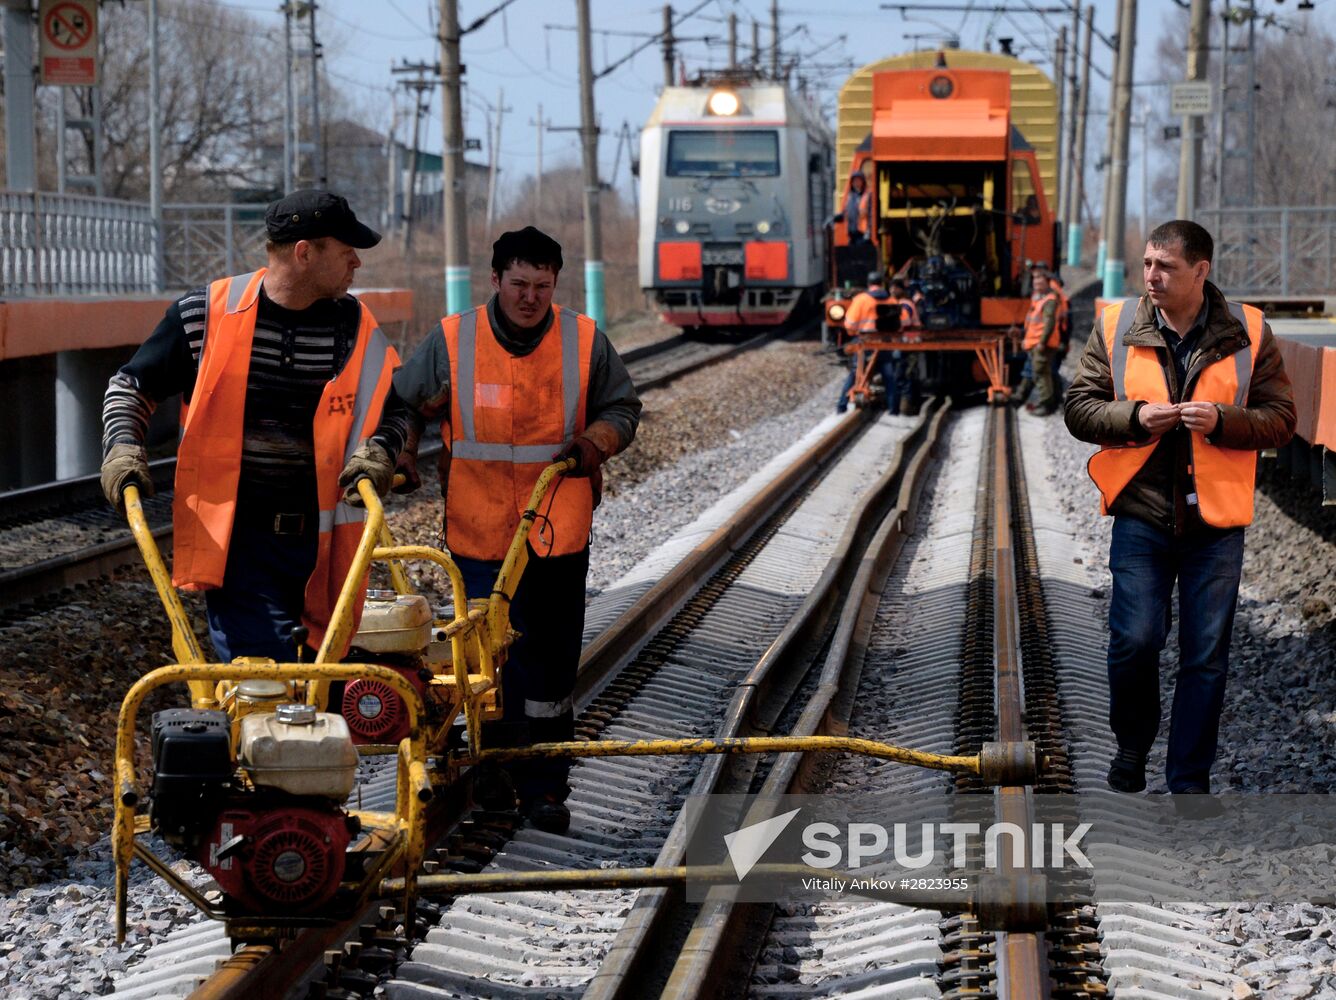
(723,153)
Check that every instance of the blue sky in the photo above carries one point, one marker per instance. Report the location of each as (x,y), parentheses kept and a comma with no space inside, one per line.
(526,50)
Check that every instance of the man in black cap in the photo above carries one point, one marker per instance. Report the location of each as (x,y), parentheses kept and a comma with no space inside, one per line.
(286,402)
(517,384)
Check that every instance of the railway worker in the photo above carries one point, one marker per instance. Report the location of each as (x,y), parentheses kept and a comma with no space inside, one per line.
(860,321)
(285,380)
(1042,338)
(906,363)
(1191,388)
(858,208)
(519,383)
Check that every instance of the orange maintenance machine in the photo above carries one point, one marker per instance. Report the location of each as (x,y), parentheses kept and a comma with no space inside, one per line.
(958,152)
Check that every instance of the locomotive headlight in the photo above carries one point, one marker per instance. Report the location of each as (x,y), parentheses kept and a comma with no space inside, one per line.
(723,102)
(836,312)
(763,227)
(682,227)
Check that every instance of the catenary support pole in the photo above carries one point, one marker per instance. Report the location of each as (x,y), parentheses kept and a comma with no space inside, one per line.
(1189,157)
(1114,273)
(669,52)
(155,145)
(1075,231)
(593,230)
(20,114)
(1109,118)
(458,288)
(1059,197)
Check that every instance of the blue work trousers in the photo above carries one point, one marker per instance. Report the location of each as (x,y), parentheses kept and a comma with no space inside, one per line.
(890,366)
(264,590)
(538,678)
(1145,561)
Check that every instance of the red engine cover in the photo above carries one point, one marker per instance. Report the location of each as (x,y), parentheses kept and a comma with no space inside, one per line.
(374,711)
(292,859)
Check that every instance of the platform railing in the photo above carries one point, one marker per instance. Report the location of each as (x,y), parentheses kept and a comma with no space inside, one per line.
(69,244)
(1273,249)
(202,241)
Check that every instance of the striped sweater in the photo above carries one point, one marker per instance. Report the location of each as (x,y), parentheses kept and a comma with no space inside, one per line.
(293,356)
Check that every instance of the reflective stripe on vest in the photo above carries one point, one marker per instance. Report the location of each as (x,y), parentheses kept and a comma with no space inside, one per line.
(1223,479)
(508,416)
(209,457)
(1034,324)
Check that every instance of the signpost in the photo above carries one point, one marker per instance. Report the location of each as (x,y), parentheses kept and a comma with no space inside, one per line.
(1190,98)
(68,51)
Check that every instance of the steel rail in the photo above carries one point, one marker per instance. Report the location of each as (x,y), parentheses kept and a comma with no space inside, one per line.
(261,972)
(727,934)
(756,706)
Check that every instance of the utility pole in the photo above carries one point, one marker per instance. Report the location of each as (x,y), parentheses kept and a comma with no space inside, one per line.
(1252,103)
(1189,154)
(1103,253)
(1073,98)
(494,157)
(1075,231)
(593,230)
(774,36)
(155,146)
(1060,166)
(669,54)
(20,89)
(458,286)
(1221,118)
(421,88)
(538,177)
(1114,267)
(289,110)
(319,158)
(732,41)
(756,45)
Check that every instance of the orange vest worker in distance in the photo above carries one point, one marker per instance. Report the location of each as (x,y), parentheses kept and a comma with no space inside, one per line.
(519,383)
(287,402)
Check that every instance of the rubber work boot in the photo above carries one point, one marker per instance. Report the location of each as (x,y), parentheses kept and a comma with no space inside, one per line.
(548,814)
(1197,803)
(1127,772)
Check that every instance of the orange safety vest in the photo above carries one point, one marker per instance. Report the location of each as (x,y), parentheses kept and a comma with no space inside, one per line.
(508,417)
(1064,318)
(208,461)
(1034,324)
(1223,479)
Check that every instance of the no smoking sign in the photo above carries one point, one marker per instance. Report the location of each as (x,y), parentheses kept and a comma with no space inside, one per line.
(68,52)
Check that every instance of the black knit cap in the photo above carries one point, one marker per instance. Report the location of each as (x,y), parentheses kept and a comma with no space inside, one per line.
(311,214)
(527,245)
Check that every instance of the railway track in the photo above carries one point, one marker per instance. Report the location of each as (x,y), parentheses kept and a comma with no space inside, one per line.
(60,535)
(776,563)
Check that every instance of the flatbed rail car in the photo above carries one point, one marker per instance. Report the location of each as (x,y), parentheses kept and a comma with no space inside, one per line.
(958,150)
(736,179)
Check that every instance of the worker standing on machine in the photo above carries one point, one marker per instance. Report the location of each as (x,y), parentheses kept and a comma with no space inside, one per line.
(519,383)
(858,209)
(286,380)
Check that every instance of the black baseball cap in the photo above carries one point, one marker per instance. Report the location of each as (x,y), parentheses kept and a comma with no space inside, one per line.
(311,214)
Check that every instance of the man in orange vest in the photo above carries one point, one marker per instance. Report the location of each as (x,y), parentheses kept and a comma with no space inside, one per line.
(861,320)
(519,383)
(1180,389)
(286,400)
(1042,339)
(858,209)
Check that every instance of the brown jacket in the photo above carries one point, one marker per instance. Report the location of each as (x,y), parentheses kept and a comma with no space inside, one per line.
(1158,492)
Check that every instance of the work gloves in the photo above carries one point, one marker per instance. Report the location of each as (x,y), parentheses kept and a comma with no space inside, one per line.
(125,464)
(369,461)
(589,459)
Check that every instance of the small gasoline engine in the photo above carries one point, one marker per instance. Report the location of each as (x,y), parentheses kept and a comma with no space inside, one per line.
(277,838)
(950,294)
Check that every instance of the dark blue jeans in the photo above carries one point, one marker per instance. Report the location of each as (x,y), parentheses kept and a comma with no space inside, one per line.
(539,674)
(264,590)
(890,366)
(1145,561)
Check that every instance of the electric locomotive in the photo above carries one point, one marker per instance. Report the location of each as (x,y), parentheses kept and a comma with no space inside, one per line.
(736,180)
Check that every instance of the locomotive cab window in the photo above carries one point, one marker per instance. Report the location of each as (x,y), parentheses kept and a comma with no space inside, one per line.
(723,153)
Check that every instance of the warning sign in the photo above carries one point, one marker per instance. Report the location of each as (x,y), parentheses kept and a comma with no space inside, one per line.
(68,53)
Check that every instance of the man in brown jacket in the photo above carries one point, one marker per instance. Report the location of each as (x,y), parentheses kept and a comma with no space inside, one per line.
(1180,389)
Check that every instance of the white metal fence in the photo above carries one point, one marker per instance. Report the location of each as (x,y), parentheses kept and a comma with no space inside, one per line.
(1273,250)
(206,241)
(66,244)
